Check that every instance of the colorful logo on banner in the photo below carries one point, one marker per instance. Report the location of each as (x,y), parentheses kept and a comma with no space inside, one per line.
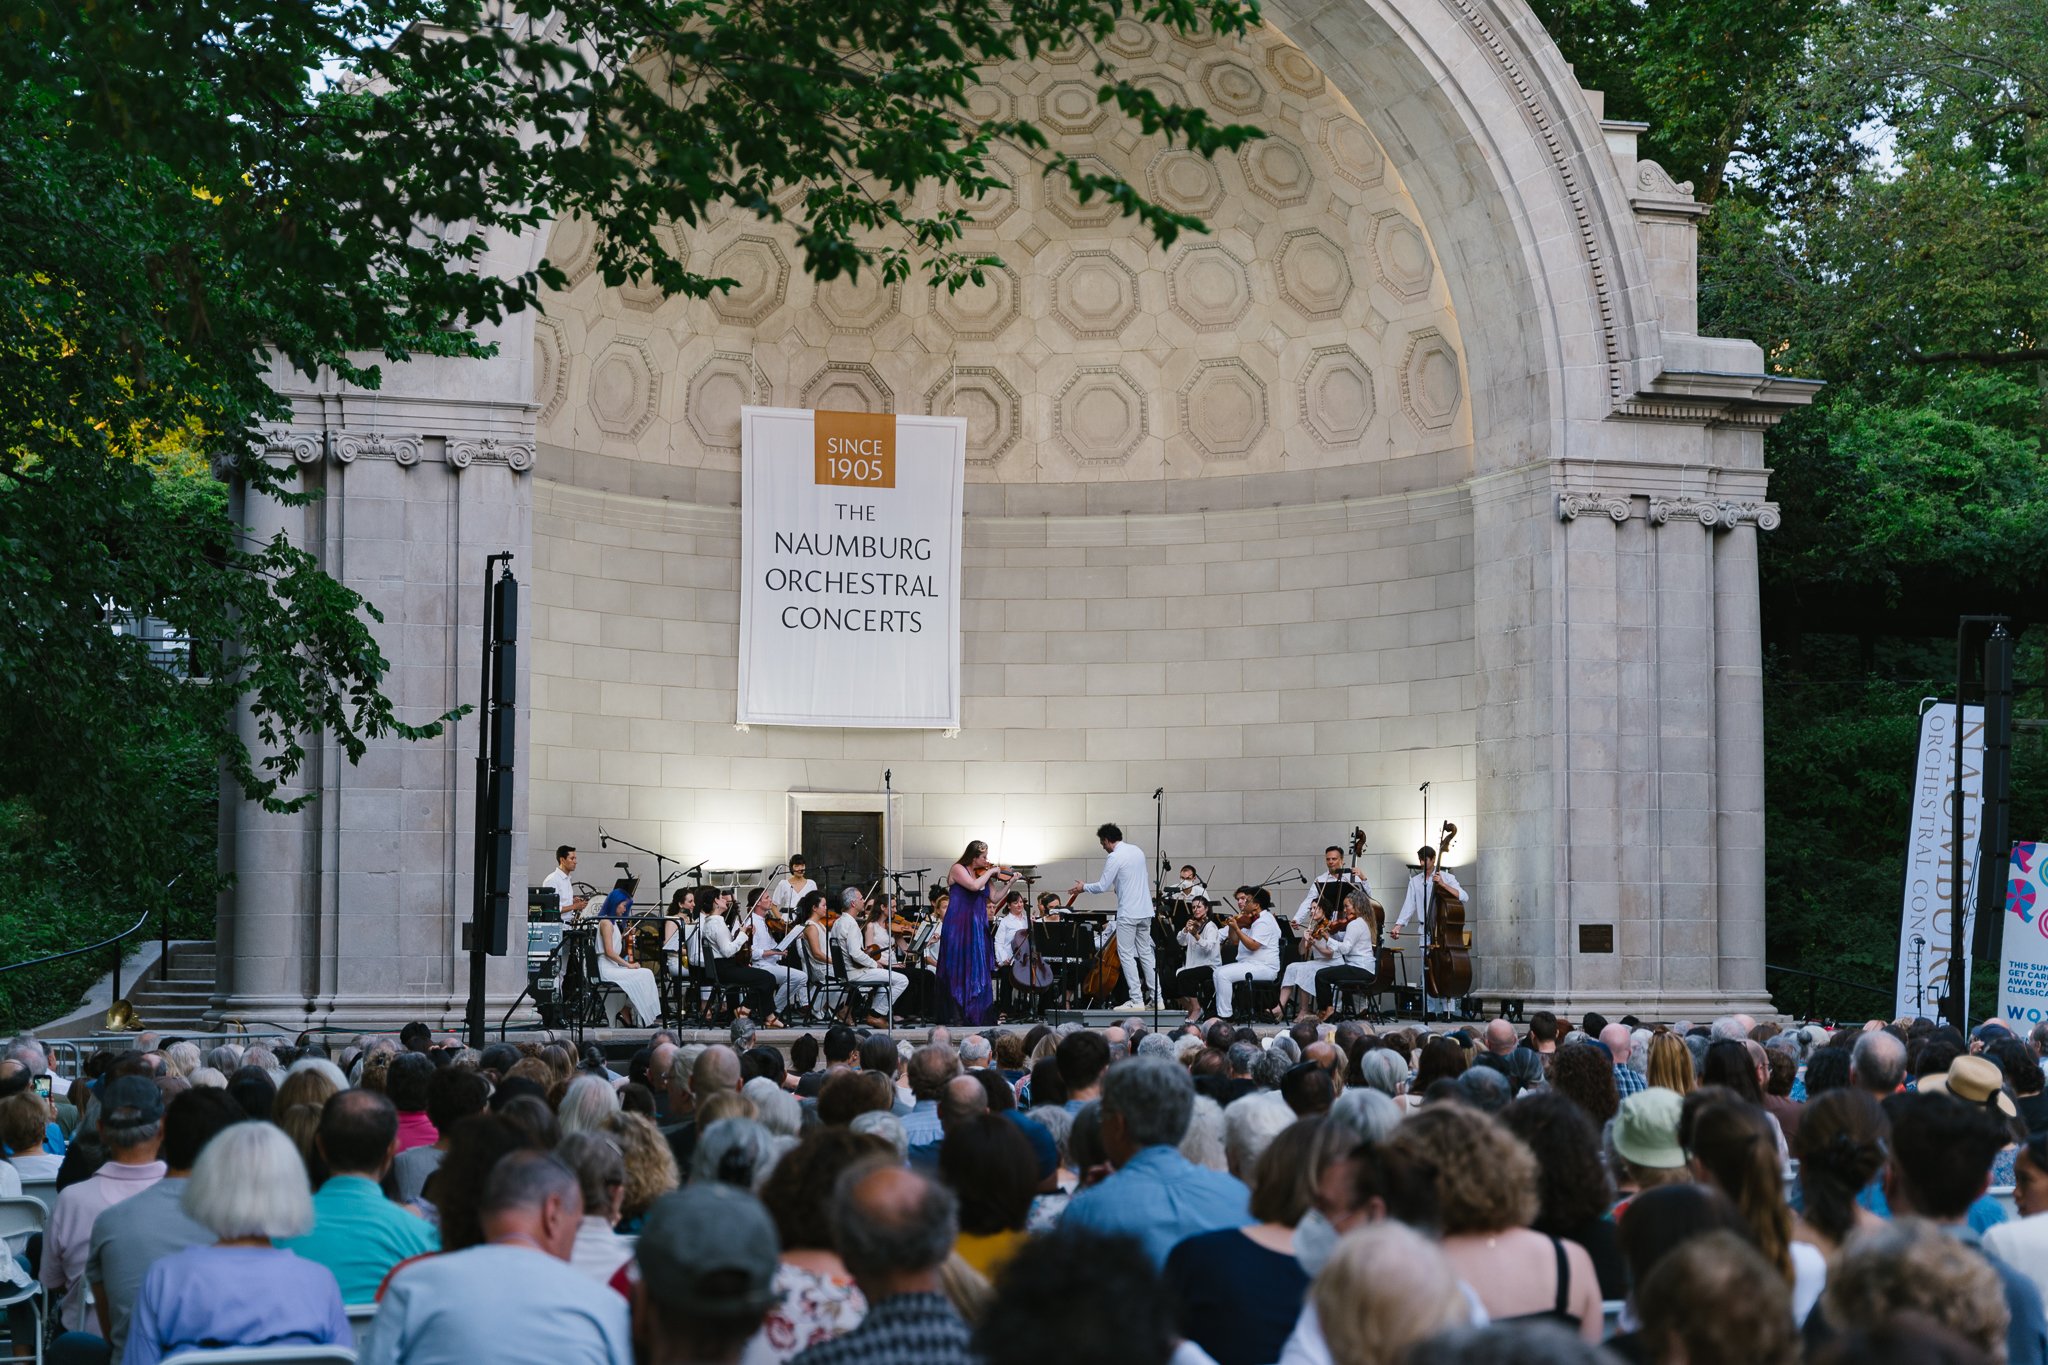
(2023,972)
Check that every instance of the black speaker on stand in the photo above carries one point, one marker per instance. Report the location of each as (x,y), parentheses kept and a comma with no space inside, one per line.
(491,916)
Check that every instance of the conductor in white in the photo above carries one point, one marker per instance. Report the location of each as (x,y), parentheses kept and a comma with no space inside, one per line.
(1124,873)
(1416,907)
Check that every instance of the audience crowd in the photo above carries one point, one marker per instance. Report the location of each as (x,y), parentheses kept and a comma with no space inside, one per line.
(1724,1193)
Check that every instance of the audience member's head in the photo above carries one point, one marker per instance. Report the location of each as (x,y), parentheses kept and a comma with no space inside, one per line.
(358,1133)
(893,1229)
(1573,1189)
(1669,1066)
(1146,1102)
(1877,1063)
(1734,1147)
(1249,1127)
(848,1094)
(1841,1143)
(1461,1172)
(587,1105)
(1941,1154)
(192,1120)
(1386,1288)
(1671,1216)
(987,1162)
(798,1192)
(707,1259)
(1584,1074)
(1079,1298)
(1082,1056)
(600,1173)
(650,1162)
(1713,1300)
(532,1197)
(249,1182)
(1911,1266)
(405,1084)
(475,1148)
(1283,1179)
(735,1151)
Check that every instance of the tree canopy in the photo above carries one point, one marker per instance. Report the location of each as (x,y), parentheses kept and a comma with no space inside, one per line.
(189,189)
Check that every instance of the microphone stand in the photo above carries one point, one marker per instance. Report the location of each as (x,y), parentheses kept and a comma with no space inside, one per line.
(1158,900)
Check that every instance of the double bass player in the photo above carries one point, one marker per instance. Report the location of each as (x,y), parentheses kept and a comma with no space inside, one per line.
(1421,888)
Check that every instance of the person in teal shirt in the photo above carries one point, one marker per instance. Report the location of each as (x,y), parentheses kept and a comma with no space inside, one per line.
(358,1233)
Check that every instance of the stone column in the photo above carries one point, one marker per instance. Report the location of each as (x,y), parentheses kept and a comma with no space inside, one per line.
(1739,719)
(350,912)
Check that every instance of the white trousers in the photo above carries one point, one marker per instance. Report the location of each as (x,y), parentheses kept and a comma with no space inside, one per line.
(1227,977)
(789,983)
(875,976)
(1134,947)
(1302,975)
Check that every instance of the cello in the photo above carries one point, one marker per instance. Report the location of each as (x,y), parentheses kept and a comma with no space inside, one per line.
(1107,975)
(1447,952)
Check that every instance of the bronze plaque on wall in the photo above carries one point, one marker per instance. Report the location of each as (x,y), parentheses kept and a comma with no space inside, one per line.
(1596,938)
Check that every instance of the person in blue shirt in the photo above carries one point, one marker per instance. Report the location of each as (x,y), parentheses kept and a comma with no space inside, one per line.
(1941,1155)
(1155,1194)
(358,1233)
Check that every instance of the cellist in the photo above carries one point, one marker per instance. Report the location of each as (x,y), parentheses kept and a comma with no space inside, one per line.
(1430,881)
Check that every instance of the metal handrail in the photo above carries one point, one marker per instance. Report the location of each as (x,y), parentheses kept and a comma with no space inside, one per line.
(163,910)
(1815,979)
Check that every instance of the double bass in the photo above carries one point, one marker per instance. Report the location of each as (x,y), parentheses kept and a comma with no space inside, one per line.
(1447,952)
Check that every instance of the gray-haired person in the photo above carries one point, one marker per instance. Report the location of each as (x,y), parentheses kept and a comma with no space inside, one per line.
(513,1300)
(894,1229)
(1156,1194)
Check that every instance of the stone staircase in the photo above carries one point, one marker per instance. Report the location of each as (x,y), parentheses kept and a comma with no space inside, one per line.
(172,996)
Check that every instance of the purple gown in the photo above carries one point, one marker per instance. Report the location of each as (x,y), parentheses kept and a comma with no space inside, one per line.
(967,987)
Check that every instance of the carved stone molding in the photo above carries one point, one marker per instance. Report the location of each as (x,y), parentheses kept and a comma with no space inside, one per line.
(1099,415)
(350,446)
(550,367)
(516,456)
(992,406)
(1571,506)
(305,447)
(405,449)
(1592,245)
(1715,514)
(1431,387)
(1223,409)
(1653,180)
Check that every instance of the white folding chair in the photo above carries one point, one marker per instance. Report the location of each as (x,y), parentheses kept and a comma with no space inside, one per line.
(266,1355)
(21,1215)
(1610,1317)
(45,1190)
(359,1317)
(2007,1199)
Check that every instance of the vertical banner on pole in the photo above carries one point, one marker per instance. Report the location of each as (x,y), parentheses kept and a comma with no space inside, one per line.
(2023,974)
(1924,928)
(850,568)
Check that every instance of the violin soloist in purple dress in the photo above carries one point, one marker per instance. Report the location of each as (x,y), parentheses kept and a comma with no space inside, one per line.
(967,988)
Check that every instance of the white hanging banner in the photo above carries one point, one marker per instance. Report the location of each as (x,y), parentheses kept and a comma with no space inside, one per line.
(2023,974)
(850,568)
(1930,852)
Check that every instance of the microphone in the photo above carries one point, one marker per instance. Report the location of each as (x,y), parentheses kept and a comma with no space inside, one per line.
(1303,876)
(603,840)
(1157,792)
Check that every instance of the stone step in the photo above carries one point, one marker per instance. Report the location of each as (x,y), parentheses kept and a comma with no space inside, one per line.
(172,990)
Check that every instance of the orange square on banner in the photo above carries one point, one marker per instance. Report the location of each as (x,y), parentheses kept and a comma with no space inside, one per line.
(854,449)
